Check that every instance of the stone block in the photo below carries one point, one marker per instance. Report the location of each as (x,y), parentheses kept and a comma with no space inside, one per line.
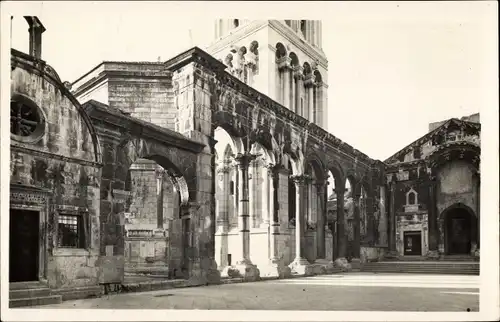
(343,264)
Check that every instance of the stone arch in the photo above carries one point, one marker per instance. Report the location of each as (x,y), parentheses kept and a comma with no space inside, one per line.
(225,121)
(337,172)
(459,229)
(280,50)
(316,164)
(179,166)
(294,59)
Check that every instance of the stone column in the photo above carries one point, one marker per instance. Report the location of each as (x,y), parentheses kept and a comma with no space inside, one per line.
(433,221)
(300,264)
(266,199)
(160,174)
(244,265)
(299,76)
(251,194)
(341,260)
(275,267)
(285,68)
(321,219)
(223,216)
(310,117)
(356,230)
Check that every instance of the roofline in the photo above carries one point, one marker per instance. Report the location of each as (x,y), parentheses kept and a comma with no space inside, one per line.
(430,134)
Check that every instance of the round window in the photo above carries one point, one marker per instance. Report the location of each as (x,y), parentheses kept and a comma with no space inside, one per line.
(26,120)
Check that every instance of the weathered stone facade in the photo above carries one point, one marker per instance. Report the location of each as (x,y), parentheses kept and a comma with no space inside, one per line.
(434,191)
(55,175)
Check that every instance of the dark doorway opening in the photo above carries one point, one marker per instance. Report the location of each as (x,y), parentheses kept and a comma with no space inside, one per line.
(413,243)
(24,245)
(458,231)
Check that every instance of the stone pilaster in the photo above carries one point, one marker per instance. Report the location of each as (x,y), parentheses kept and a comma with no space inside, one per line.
(244,266)
(275,266)
(341,260)
(251,193)
(433,221)
(392,222)
(300,265)
(266,210)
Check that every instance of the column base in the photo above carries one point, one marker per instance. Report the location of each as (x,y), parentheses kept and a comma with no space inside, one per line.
(356,264)
(302,267)
(343,264)
(276,269)
(248,271)
(323,266)
(432,255)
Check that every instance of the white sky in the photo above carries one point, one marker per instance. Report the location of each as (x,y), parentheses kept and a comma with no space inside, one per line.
(393,67)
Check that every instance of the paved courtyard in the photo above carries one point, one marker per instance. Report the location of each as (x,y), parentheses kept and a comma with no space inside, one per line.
(351,292)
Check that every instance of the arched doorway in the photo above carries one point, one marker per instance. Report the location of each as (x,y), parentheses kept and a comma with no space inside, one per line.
(460,230)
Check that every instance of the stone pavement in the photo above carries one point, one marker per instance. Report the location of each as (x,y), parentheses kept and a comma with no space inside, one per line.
(345,292)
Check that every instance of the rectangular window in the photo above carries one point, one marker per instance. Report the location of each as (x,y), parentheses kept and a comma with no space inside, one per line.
(71,231)
(301,106)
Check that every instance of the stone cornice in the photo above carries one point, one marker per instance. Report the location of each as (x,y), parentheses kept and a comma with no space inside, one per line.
(101,112)
(111,70)
(44,154)
(226,79)
(237,35)
(439,130)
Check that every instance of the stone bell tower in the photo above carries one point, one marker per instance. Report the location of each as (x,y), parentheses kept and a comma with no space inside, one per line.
(281,58)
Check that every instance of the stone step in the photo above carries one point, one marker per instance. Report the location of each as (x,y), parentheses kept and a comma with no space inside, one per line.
(466,268)
(26,285)
(35,301)
(79,292)
(29,292)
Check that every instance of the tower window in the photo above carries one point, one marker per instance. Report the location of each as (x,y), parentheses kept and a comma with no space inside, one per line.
(236,23)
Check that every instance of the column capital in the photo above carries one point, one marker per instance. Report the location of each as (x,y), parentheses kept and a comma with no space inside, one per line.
(300,179)
(224,169)
(189,209)
(160,172)
(339,191)
(321,184)
(284,63)
(309,80)
(298,72)
(243,160)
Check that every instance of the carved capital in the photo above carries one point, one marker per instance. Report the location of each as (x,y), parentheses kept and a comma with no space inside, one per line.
(243,160)
(300,180)
(309,80)
(160,173)
(189,210)
(284,63)
(224,169)
(298,73)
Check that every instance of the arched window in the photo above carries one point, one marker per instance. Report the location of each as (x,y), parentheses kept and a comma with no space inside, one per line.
(231,188)
(236,23)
